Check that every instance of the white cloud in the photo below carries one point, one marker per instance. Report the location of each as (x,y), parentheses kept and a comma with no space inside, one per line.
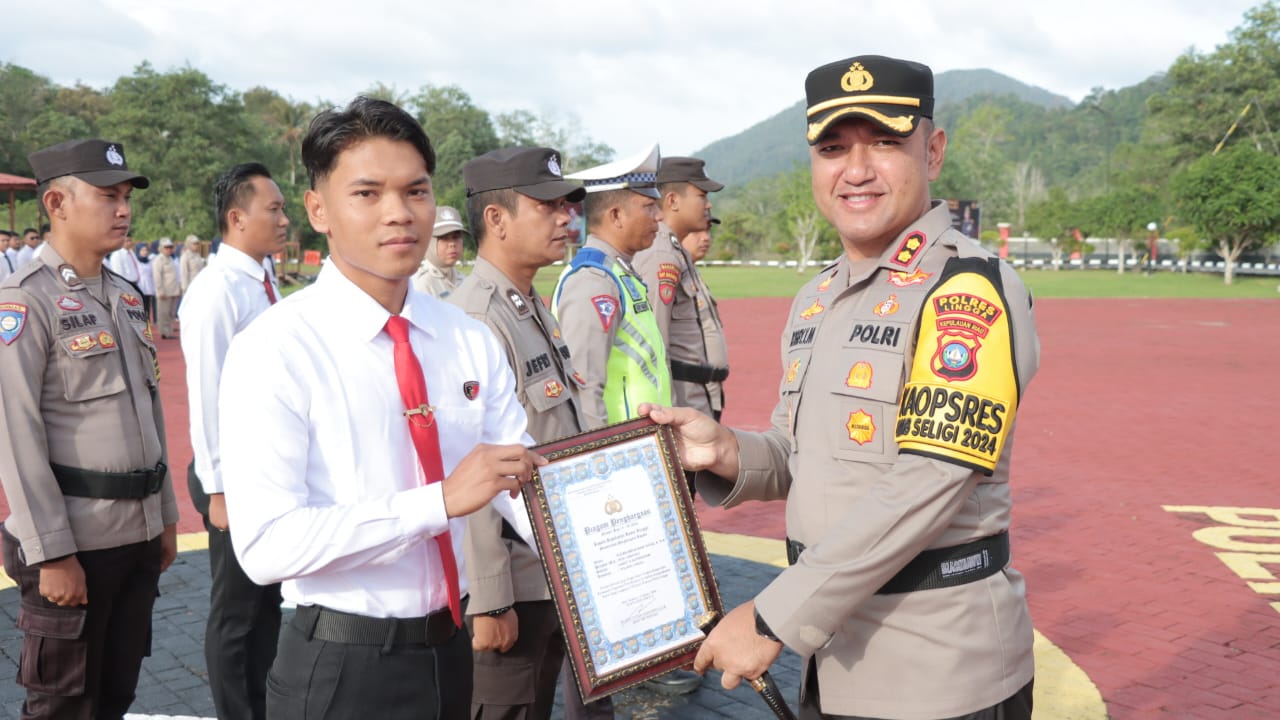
(685,73)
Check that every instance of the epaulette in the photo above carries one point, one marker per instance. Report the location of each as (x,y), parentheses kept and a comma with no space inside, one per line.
(473,296)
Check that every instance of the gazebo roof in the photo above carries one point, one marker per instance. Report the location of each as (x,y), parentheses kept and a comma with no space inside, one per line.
(16,182)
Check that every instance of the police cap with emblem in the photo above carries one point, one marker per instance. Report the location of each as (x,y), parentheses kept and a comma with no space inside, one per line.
(686,169)
(97,162)
(447,220)
(892,93)
(532,171)
(638,172)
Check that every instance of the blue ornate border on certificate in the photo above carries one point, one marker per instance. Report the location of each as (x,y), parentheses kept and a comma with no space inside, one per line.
(563,474)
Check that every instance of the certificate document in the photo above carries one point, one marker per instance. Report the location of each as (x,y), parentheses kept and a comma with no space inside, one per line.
(623,554)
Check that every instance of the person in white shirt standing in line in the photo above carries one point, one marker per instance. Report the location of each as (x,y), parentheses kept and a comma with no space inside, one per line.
(360,421)
(244,617)
(124,262)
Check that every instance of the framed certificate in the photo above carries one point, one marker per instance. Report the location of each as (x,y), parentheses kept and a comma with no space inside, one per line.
(623,554)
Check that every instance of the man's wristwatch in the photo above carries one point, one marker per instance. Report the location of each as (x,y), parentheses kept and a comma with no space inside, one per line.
(763,630)
(502,611)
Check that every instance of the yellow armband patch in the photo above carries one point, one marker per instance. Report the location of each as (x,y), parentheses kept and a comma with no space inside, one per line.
(959,402)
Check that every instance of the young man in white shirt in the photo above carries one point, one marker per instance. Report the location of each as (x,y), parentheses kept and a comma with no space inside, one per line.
(328,488)
(244,617)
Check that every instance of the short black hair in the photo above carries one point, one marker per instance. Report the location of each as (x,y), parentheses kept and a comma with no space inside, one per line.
(595,204)
(679,187)
(502,197)
(234,189)
(333,131)
(44,184)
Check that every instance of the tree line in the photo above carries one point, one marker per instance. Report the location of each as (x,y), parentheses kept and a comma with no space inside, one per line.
(182,129)
(1108,167)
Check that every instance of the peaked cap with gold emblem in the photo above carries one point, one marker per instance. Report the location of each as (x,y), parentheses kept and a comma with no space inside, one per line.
(892,93)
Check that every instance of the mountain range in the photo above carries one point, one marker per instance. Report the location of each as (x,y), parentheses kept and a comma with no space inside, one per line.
(776,144)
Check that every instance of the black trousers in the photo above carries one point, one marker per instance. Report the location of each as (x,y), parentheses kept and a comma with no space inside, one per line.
(1015,707)
(243,628)
(314,679)
(241,635)
(82,663)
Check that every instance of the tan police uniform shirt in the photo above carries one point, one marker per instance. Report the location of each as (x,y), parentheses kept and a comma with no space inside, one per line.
(687,317)
(165,272)
(863,511)
(589,341)
(503,571)
(78,387)
(191,264)
(437,281)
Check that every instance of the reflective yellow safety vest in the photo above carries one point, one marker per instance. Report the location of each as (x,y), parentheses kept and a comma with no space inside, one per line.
(637,370)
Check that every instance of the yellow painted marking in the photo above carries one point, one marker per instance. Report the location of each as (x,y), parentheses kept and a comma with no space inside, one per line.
(1062,691)
(1236,526)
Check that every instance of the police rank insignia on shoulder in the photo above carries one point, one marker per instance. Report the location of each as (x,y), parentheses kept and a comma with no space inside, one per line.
(517,300)
(69,276)
(909,249)
(130,299)
(13,319)
(954,407)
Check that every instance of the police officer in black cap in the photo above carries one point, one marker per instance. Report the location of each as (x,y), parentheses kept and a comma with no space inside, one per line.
(900,595)
(93,521)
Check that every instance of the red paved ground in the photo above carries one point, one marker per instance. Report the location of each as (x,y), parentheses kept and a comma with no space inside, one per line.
(1139,404)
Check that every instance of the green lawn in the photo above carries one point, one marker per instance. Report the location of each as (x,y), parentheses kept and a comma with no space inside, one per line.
(740,282)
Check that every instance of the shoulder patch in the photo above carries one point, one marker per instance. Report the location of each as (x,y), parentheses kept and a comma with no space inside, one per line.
(962,394)
(668,278)
(13,319)
(130,299)
(606,308)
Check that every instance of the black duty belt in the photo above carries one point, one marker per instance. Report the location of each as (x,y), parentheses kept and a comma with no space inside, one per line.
(695,373)
(321,623)
(135,484)
(940,567)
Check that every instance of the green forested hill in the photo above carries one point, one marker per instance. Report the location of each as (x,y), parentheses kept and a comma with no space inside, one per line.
(774,145)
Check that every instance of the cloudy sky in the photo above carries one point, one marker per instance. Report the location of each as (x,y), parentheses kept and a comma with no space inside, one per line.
(683,72)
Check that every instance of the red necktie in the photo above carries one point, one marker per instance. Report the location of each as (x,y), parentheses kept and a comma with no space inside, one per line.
(271,292)
(426,440)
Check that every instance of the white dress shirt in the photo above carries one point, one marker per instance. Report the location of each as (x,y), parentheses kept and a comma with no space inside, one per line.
(25,254)
(146,281)
(125,264)
(221,301)
(324,489)
(6,268)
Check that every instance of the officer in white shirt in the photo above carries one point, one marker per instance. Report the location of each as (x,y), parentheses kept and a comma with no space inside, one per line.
(124,262)
(244,617)
(328,489)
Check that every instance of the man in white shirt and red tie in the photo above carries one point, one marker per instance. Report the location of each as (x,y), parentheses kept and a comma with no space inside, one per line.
(360,422)
(244,617)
